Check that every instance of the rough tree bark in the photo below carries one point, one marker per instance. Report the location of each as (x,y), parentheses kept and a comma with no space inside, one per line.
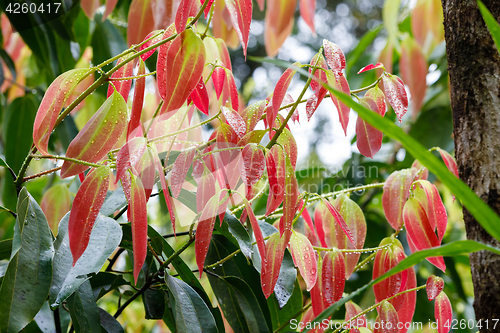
(474,67)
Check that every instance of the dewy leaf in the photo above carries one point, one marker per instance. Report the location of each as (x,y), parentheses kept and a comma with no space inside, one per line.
(140,21)
(443,313)
(185,9)
(434,286)
(134,126)
(339,219)
(450,162)
(304,257)
(428,196)
(395,92)
(234,120)
(129,155)
(180,169)
(240,12)
(279,94)
(279,24)
(191,312)
(27,279)
(339,82)
(199,96)
(56,202)
(307,11)
(289,200)
(98,136)
(52,103)
(88,201)
(396,192)
(149,43)
(371,67)
(271,263)
(218,79)
(287,140)
(146,169)
(122,86)
(83,310)
(413,67)
(334,56)
(387,319)
(352,310)
(204,231)
(253,164)
(319,91)
(332,277)
(252,114)
(369,139)
(166,193)
(181,69)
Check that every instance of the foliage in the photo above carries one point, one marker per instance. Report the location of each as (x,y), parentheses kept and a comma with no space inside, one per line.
(117,121)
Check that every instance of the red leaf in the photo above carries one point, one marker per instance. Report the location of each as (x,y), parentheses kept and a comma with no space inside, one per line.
(305,215)
(278,172)
(317,291)
(405,313)
(240,12)
(222,26)
(200,97)
(279,94)
(86,206)
(279,24)
(253,113)
(289,200)
(204,231)
(428,196)
(371,67)
(332,277)
(256,229)
(261,4)
(414,68)
(434,286)
(396,192)
(450,162)
(395,92)
(129,155)
(339,219)
(151,42)
(271,263)
(161,62)
(209,5)
(98,136)
(146,169)
(318,91)
(206,189)
(180,70)
(253,164)
(427,23)
(321,215)
(137,214)
(56,202)
(229,91)
(334,56)
(89,7)
(287,140)
(122,86)
(369,139)
(352,310)
(186,7)
(235,121)
(218,78)
(387,320)
(52,103)
(443,312)
(307,9)
(420,231)
(140,21)
(180,170)
(423,171)
(339,82)
(304,257)
(110,6)
(134,126)
(166,193)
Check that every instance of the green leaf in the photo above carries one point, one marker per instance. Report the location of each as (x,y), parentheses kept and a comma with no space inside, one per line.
(234,231)
(285,284)
(84,311)
(104,282)
(104,239)
(191,313)
(27,280)
(154,303)
(492,24)
(10,64)
(5,249)
(109,323)
(390,16)
(114,201)
(248,303)
(285,314)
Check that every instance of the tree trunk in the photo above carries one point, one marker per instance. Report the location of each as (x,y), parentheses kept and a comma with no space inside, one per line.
(474,67)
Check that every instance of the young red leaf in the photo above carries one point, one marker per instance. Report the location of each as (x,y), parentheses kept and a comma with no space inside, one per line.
(235,121)
(161,62)
(149,43)
(287,140)
(122,86)
(395,92)
(276,168)
(443,312)
(185,9)
(450,162)
(110,6)
(428,196)
(199,96)
(52,103)
(279,93)
(332,277)
(305,215)
(371,67)
(289,200)
(207,9)
(420,230)
(387,319)
(318,91)
(339,220)
(140,21)
(279,24)
(252,114)
(206,189)
(166,193)
(427,23)
(323,218)
(137,214)
(308,318)
(413,67)
(317,291)
(55,203)
(218,78)
(271,263)
(181,70)
(204,231)
(229,91)
(129,155)
(180,170)
(352,310)
(369,139)
(304,257)
(222,27)
(434,286)
(146,169)
(253,164)
(86,206)
(396,192)
(423,171)
(89,7)
(240,12)
(307,10)
(134,125)
(98,136)
(334,56)
(256,228)
(339,82)
(405,313)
